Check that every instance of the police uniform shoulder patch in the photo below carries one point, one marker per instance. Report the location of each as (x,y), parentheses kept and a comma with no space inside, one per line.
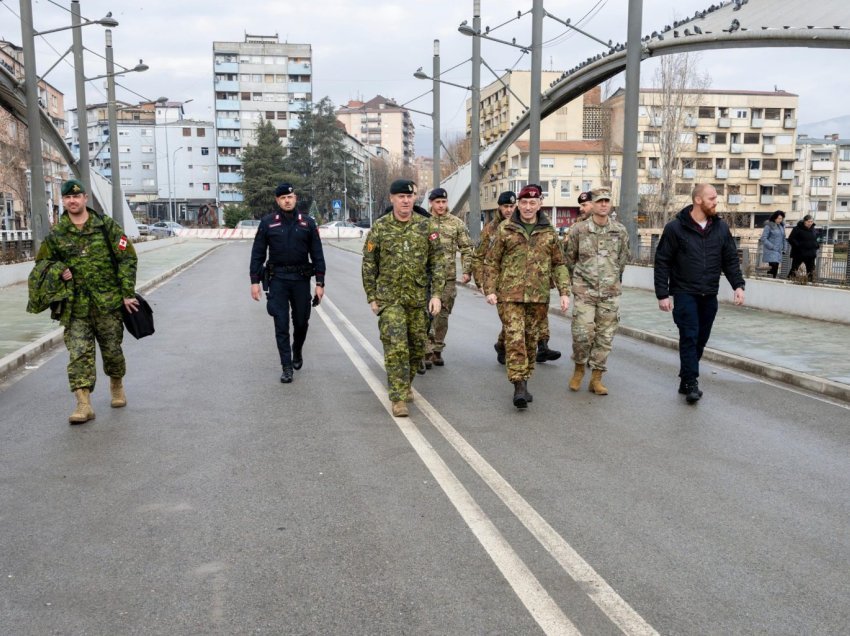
(434,236)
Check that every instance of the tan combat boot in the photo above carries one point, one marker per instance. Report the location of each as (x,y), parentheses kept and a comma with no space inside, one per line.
(399,409)
(596,385)
(116,389)
(578,376)
(84,412)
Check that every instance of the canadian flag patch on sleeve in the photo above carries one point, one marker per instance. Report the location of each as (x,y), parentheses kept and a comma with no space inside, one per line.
(122,244)
(434,236)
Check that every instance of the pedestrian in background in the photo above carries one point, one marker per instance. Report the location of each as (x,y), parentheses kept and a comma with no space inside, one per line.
(82,245)
(597,252)
(507,205)
(525,259)
(291,241)
(804,247)
(695,248)
(400,251)
(773,241)
(454,238)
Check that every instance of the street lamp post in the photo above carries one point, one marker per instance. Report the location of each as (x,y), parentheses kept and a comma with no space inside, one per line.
(436,115)
(172,168)
(474,220)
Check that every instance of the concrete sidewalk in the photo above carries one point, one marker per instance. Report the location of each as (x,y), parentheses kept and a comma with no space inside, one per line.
(25,336)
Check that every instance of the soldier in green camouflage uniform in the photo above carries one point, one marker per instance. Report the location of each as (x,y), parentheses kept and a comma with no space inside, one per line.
(454,238)
(77,242)
(400,251)
(507,206)
(597,251)
(525,258)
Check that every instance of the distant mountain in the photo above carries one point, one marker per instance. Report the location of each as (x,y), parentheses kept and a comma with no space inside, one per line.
(820,129)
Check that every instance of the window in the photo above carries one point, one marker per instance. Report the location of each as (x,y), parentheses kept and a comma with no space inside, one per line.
(187,132)
(586,186)
(720,137)
(704,164)
(683,189)
(281,134)
(736,163)
(148,182)
(200,132)
(146,132)
(206,186)
(580,162)
(146,166)
(751,138)
(547,162)
(650,136)
(741,113)
(205,151)
(270,114)
(246,97)
(706,112)
(720,188)
(189,166)
(124,166)
(565,188)
(124,149)
(844,153)
(147,149)
(770,164)
(771,113)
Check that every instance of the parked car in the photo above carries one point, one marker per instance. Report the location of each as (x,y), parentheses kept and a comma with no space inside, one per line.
(363,223)
(165,228)
(247,224)
(335,224)
(144,229)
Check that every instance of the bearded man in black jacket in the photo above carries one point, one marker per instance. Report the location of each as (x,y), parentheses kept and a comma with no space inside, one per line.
(695,248)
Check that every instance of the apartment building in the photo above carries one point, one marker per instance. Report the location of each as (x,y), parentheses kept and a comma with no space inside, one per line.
(822,185)
(257,79)
(742,142)
(380,122)
(14,146)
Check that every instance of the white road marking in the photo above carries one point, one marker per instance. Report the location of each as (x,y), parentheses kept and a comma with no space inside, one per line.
(599,591)
(531,593)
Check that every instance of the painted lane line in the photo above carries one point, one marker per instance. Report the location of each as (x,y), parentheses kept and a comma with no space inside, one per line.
(599,591)
(528,589)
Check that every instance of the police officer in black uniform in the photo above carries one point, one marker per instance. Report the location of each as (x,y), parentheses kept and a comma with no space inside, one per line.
(294,256)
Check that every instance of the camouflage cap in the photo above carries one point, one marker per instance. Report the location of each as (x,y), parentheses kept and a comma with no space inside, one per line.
(72,186)
(600,193)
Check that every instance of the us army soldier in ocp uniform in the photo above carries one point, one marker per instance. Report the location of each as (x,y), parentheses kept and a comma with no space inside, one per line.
(597,252)
(400,250)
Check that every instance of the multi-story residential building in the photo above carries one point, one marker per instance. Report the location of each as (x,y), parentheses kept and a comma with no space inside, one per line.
(259,78)
(380,122)
(573,157)
(822,185)
(742,142)
(424,173)
(13,137)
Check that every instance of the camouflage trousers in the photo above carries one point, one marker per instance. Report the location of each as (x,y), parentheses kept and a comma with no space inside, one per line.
(80,336)
(595,322)
(440,323)
(404,331)
(522,324)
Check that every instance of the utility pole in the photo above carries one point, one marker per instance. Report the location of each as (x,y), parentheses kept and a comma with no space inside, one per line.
(114,162)
(537,13)
(628,179)
(80,89)
(435,114)
(474,220)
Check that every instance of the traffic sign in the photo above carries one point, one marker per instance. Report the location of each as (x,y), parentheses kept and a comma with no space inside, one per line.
(337,204)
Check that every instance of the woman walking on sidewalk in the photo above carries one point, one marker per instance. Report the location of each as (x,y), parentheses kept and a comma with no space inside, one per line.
(773,241)
(804,247)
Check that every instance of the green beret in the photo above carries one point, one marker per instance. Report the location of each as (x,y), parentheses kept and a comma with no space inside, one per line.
(72,186)
(402,186)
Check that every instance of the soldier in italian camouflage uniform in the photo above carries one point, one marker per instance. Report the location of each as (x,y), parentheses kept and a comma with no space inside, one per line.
(597,252)
(525,258)
(507,206)
(77,242)
(454,238)
(400,251)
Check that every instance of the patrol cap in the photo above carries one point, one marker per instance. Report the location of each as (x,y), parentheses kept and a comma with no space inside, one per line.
(72,186)
(402,186)
(584,197)
(283,189)
(531,191)
(600,193)
(507,197)
(438,193)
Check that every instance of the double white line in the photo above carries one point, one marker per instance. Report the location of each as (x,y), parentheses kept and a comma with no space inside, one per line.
(526,586)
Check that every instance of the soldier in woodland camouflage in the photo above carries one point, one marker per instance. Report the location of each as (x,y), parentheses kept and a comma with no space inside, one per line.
(507,205)
(78,246)
(454,238)
(597,252)
(525,258)
(400,251)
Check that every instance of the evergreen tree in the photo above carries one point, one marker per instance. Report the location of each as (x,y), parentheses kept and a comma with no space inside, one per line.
(317,157)
(262,170)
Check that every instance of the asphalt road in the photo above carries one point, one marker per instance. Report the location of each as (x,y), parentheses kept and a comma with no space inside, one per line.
(223,502)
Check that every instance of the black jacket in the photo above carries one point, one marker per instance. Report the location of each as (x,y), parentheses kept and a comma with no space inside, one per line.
(690,260)
(291,239)
(803,241)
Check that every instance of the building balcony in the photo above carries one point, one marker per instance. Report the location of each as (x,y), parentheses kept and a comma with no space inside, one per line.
(226,85)
(754,173)
(226,67)
(703,147)
(766,199)
(689,173)
(228,142)
(721,173)
(229,177)
(299,87)
(823,165)
(757,122)
(843,190)
(789,123)
(820,191)
(655,120)
(299,68)
(769,149)
(690,121)
(734,199)
(724,122)
(230,197)
(736,149)
(298,107)
(786,174)
(227,104)
(225,160)
(655,173)
(227,122)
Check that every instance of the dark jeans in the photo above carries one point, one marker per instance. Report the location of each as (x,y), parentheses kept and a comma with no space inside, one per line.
(810,267)
(283,295)
(694,316)
(774,269)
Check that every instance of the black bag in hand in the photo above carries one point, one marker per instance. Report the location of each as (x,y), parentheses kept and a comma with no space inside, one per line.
(139,323)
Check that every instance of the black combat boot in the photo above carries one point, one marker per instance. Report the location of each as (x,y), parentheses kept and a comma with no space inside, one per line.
(286,376)
(544,353)
(520,395)
(297,360)
(500,353)
(692,392)
(683,388)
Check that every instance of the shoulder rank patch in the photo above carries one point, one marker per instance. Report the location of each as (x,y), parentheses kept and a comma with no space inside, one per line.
(122,243)
(434,236)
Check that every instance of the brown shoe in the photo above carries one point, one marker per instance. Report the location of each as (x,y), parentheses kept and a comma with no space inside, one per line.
(116,390)
(596,385)
(84,412)
(437,359)
(399,409)
(578,376)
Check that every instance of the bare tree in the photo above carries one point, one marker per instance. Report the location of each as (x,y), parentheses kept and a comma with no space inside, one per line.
(456,154)
(13,162)
(385,170)
(672,108)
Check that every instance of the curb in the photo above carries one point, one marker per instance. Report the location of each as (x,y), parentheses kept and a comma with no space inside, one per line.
(17,359)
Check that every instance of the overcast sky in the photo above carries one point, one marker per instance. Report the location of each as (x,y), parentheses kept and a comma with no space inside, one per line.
(366,47)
